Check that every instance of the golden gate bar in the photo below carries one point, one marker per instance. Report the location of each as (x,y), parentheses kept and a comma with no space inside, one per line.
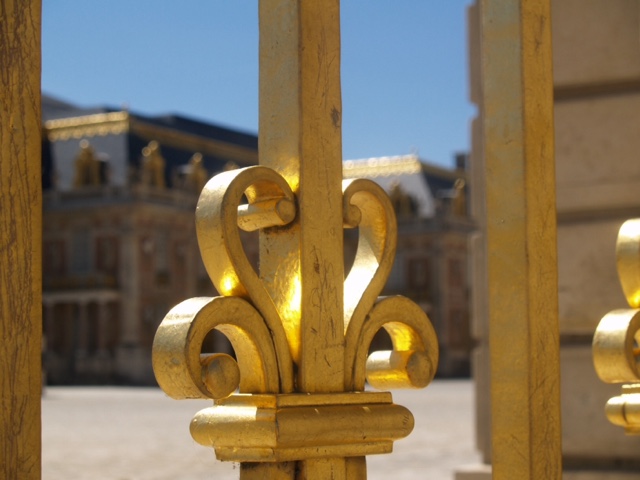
(521,239)
(300,330)
(20,239)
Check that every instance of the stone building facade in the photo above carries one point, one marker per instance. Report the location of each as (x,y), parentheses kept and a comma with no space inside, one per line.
(120,246)
(119,243)
(431,264)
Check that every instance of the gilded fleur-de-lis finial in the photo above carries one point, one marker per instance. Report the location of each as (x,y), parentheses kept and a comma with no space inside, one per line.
(294,398)
(616,351)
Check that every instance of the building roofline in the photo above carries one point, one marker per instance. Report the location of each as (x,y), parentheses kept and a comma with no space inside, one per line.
(92,125)
(118,122)
(396,165)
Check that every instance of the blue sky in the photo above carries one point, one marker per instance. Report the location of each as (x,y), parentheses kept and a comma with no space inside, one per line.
(404,66)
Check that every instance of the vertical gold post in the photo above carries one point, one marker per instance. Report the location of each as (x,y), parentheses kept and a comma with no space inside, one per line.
(300,137)
(521,238)
(20,239)
(293,321)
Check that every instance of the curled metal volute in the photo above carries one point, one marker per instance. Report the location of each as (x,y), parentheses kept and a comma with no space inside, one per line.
(368,204)
(183,372)
(615,346)
(223,254)
(628,260)
(414,359)
(217,219)
(624,410)
(265,214)
(616,352)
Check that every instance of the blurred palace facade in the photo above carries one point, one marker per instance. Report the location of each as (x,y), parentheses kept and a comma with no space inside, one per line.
(119,243)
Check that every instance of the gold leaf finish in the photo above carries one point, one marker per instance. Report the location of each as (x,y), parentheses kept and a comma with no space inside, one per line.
(300,330)
(181,370)
(20,240)
(521,238)
(615,347)
(616,351)
(628,260)
(267,428)
(223,254)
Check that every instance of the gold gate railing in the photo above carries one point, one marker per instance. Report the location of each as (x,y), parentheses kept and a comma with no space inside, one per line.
(616,342)
(295,348)
(521,239)
(300,329)
(20,239)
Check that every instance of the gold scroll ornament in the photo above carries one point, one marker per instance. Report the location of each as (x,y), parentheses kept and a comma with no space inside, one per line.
(616,353)
(258,415)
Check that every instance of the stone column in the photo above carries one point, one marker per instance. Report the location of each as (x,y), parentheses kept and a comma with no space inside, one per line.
(596,58)
(80,344)
(130,362)
(48,309)
(103,360)
(102,328)
(129,272)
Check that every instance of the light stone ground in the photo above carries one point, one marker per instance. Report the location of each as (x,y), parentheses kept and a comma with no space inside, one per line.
(106,433)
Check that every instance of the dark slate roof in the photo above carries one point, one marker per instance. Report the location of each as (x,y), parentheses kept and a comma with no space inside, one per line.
(203,129)
(54,108)
(126,147)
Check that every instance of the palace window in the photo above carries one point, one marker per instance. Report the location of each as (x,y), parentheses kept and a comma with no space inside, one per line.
(107,255)
(80,252)
(162,258)
(456,273)
(397,280)
(53,258)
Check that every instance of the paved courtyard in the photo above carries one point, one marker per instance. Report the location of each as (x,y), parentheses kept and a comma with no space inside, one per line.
(106,433)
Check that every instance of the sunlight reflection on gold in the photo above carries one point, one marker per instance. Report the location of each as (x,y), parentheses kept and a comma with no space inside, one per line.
(228,283)
(291,314)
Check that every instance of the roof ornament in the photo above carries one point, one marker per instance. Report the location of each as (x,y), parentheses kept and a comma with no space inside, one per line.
(152,165)
(403,203)
(87,166)
(197,174)
(459,201)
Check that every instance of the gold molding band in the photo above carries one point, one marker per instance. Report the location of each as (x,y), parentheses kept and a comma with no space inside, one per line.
(395,166)
(97,125)
(266,428)
(381,167)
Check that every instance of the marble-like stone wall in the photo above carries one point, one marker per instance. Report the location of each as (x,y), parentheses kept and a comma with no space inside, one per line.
(596,49)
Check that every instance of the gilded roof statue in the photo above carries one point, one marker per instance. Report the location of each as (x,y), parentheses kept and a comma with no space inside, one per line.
(153,165)
(402,202)
(87,166)
(459,202)
(197,175)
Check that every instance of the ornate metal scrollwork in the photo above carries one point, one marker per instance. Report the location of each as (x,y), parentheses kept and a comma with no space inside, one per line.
(267,421)
(616,351)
